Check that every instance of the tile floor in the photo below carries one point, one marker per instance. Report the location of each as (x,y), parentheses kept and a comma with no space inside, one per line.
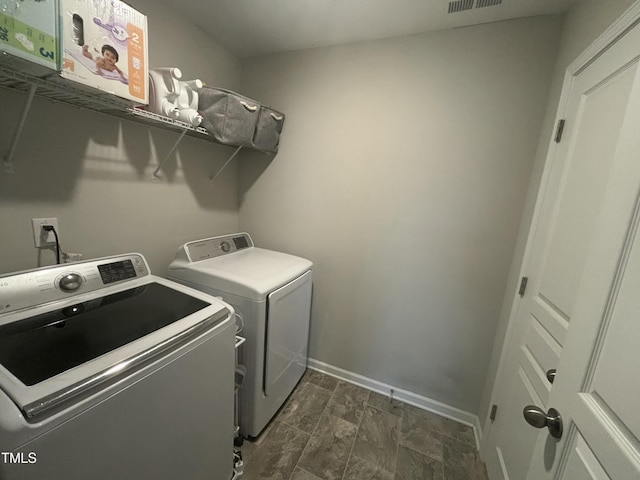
(332,430)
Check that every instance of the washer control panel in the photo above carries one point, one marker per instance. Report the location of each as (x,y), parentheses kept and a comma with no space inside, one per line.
(217,246)
(58,282)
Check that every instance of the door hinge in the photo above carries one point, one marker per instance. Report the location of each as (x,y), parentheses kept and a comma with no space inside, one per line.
(523,286)
(559,130)
(494,410)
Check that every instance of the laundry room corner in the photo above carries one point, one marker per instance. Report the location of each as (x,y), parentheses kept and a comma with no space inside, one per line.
(402,175)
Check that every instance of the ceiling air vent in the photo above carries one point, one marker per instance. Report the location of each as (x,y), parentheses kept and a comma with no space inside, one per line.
(487,3)
(460,5)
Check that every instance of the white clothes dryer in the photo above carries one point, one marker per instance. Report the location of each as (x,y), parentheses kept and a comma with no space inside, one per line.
(271,294)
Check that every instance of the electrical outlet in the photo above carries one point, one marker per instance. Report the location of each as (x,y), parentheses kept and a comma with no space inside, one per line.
(41,237)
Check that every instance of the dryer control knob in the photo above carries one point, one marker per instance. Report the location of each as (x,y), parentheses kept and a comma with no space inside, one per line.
(225,246)
(70,282)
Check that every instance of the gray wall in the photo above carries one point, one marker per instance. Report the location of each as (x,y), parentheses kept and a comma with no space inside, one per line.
(402,175)
(583,24)
(93,171)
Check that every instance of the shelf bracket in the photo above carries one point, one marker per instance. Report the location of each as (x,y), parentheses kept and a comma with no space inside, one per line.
(154,175)
(8,159)
(237,150)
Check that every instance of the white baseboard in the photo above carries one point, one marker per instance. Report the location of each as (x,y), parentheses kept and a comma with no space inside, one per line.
(402,395)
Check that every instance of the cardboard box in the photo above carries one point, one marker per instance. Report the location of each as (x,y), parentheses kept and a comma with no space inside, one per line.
(104,46)
(29,31)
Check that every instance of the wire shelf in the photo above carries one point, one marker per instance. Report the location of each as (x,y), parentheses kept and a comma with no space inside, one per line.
(51,86)
(34,80)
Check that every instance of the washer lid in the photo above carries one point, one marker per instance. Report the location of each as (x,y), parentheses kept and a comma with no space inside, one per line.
(62,351)
(250,273)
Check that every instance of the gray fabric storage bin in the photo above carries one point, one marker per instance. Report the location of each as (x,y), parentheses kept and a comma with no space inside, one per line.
(228,116)
(268,128)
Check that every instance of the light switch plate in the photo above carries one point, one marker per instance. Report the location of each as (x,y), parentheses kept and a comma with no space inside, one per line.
(40,237)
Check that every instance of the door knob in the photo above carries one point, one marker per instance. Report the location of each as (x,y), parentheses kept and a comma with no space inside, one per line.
(536,417)
(551,375)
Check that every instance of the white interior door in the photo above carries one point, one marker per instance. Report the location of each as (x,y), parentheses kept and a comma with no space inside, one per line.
(597,390)
(600,104)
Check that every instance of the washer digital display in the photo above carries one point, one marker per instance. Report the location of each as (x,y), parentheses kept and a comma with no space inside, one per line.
(116,271)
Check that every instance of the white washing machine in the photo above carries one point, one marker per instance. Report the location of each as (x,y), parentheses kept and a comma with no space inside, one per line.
(106,373)
(271,293)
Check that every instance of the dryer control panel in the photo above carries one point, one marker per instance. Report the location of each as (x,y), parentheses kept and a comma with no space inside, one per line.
(217,246)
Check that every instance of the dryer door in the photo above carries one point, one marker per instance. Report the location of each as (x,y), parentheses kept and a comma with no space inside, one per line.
(288,314)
